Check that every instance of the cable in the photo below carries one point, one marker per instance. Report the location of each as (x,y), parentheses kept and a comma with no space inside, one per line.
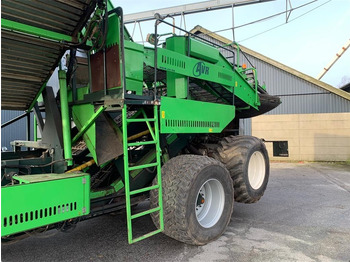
(284,23)
(262,19)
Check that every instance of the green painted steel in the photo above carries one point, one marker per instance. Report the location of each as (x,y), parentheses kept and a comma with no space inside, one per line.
(36,97)
(148,158)
(189,116)
(188,66)
(110,5)
(35,131)
(126,174)
(255,86)
(128,168)
(65,117)
(159,168)
(113,36)
(177,84)
(134,66)
(87,125)
(35,31)
(205,62)
(116,186)
(203,51)
(145,189)
(43,200)
(81,115)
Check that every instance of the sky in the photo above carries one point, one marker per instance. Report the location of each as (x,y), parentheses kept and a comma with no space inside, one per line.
(307,43)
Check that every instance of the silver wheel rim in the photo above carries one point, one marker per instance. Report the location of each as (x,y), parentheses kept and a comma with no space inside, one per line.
(256,170)
(209,203)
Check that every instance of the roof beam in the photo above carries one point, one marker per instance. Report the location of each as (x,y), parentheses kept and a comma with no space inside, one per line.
(35,31)
(188,9)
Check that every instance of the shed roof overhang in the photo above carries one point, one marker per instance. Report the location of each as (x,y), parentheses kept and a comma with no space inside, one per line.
(33,40)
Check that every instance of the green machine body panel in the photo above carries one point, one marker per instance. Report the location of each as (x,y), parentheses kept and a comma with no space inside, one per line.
(188,66)
(206,63)
(113,35)
(177,84)
(189,116)
(81,115)
(134,66)
(203,51)
(44,199)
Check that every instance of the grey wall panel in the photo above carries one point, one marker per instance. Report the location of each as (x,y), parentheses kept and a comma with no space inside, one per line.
(245,127)
(15,131)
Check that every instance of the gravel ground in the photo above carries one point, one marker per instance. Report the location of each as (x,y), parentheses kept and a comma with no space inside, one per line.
(303,216)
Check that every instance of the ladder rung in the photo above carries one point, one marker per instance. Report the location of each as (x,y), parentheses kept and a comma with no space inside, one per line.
(142,166)
(130,120)
(146,235)
(141,190)
(142,143)
(145,212)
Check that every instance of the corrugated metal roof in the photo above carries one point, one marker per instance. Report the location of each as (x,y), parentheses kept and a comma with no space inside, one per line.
(299,93)
(28,61)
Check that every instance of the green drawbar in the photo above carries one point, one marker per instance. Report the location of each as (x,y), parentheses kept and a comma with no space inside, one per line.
(127,169)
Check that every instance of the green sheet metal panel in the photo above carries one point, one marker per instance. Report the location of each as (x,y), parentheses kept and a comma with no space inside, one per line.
(35,31)
(188,66)
(218,73)
(203,51)
(81,115)
(113,34)
(177,85)
(43,200)
(189,116)
(134,66)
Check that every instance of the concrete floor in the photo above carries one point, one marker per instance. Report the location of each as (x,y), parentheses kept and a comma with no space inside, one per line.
(303,216)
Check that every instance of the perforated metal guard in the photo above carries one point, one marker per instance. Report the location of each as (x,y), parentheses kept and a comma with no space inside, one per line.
(45,199)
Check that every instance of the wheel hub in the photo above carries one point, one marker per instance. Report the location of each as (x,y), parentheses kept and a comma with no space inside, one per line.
(210,203)
(256,170)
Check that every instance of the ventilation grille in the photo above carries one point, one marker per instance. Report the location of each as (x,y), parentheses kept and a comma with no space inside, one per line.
(38,214)
(173,61)
(224,76)
(191,123)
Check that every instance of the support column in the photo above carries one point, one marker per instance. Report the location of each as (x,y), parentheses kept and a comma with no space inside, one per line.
(67,146)
(28,129)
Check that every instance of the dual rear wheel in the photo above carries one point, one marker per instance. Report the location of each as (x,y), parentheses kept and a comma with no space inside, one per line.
(199,192)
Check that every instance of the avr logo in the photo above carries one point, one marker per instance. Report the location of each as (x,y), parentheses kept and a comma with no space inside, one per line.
(200,68)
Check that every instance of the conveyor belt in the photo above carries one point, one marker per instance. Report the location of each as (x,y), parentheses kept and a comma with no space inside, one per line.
(27,60)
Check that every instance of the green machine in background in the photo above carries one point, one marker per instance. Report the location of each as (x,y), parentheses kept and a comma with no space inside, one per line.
(128,123)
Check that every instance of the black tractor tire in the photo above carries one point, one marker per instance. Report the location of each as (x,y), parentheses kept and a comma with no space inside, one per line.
(247,160)
(185,179)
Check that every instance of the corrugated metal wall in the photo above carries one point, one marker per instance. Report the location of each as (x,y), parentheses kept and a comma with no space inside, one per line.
(15,131)
(298,96)
(245,127)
